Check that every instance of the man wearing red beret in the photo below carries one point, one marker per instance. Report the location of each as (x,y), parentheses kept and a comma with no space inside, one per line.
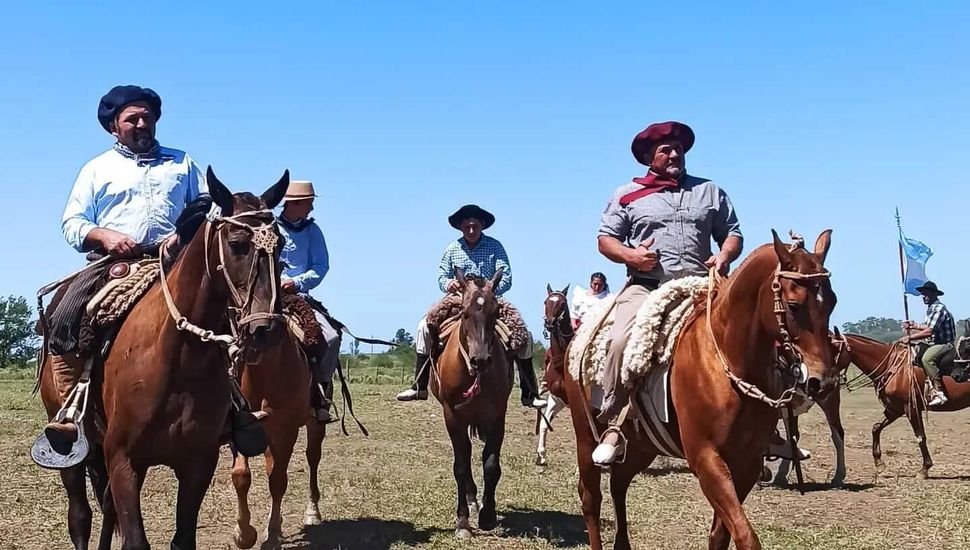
(660,226)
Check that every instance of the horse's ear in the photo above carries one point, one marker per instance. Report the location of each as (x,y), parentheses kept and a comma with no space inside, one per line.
(272,196)
(497,278)
(220,194)
(548,289)
(822,245)
(565,290)
(460,277)
(781,250)
(838,333)
(966,328)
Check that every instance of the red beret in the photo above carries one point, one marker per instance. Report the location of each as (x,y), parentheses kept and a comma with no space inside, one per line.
(646,140)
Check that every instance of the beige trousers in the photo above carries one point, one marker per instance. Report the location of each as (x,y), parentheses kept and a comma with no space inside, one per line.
(615,395)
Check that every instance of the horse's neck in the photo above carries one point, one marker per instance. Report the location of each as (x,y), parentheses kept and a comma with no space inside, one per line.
(869,356)
(193,290)
(737,318)
(559,343)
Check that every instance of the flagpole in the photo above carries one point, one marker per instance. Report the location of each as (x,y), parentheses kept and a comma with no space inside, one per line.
(902,268)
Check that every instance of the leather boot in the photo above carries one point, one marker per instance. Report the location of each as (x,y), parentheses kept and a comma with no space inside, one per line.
(422,373)
(66,369)
(528,384)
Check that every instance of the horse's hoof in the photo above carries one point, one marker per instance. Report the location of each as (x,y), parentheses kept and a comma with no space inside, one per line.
(880,466)
(487,524)
(924,473)
(463,533)
(273,538)
(311,516)
(838,481)
(244,537)
(540,460)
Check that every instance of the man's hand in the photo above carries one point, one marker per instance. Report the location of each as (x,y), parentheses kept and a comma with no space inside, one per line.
(288,286)
(910,325)
(642,258)
(115,243)
(453,286)
(720,262)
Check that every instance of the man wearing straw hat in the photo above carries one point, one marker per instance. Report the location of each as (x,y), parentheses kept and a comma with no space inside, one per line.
(305,262)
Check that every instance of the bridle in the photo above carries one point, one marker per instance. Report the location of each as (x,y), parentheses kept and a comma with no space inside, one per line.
(790,358)
(264,240)
(554,327)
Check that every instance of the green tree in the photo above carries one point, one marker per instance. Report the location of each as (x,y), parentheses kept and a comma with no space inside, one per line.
(403,337)
(878,328)
(18,342)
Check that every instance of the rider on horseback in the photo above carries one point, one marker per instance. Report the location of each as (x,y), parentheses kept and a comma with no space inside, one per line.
(660,226)
(480,256)
(305,262)
(123,200)
(939,331)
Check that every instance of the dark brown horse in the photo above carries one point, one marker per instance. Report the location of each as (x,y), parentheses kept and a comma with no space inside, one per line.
(165,392)
(726,356)
(899,387)
(278,383)
(559,328)
(472,382)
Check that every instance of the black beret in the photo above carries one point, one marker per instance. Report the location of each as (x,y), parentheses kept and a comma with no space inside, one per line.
(120,96)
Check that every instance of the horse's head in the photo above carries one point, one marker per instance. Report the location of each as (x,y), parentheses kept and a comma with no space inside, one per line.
(244,244)
(803,302)
(479,313)
(840,350)
(556,308)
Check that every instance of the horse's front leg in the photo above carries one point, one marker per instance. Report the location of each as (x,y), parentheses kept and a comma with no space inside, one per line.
(78,508)
(282,441)
(125,482)
(553,406)
(491,466)
(725,489)
(245,534)
(194,477)
(830,406)
(316,432)
(462,468)
(889,417)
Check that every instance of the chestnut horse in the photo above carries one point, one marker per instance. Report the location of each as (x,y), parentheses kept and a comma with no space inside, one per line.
(472,382)
(899,386)
(280,383)
(165,390)
(724,368)
(559,329)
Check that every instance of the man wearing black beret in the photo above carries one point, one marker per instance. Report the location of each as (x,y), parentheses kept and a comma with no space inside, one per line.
(125,198)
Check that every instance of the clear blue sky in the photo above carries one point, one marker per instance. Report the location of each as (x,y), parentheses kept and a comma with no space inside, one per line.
(810,117)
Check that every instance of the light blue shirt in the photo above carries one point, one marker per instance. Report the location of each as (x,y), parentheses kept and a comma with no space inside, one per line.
(140,199)
(305,259)
(483,260)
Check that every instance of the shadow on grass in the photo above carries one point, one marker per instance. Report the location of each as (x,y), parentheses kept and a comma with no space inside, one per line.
(369,533)
(665,471)
(559,529)
(814,487)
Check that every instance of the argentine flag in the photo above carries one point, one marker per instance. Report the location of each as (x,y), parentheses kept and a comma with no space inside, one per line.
(916,254)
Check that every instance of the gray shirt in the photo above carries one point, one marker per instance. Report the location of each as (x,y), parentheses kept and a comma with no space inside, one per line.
(682,221)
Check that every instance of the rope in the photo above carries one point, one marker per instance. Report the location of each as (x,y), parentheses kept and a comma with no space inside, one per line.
(122,296)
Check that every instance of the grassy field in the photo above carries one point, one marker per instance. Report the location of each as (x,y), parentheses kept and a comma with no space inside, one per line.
(395,489)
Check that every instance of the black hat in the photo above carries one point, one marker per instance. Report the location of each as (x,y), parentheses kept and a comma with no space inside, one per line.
(929,287)
(471,211)
(118,97)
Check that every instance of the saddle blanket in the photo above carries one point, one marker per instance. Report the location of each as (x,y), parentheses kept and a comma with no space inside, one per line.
(653,337)
(450,306)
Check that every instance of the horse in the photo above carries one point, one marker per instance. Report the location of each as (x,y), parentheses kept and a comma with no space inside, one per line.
(164,390)
(558,325)
(280,382)
(472,381)
(724,368)
(898,385)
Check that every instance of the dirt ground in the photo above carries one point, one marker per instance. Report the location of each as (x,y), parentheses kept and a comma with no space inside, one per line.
(395,489)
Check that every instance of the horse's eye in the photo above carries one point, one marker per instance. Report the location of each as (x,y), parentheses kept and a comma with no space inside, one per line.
(239,247)
(793,307)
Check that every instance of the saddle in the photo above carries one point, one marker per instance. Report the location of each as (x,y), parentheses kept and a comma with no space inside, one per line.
(949,363)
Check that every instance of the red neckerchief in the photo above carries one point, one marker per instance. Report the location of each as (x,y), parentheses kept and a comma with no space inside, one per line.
(652,183)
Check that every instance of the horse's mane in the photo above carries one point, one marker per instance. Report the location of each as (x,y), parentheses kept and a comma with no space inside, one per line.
(191,218)
(868,339)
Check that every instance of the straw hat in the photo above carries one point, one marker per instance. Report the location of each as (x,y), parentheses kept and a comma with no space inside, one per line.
(299,190)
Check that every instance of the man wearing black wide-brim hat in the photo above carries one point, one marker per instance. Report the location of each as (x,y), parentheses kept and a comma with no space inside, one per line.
(939,331)
(126,198)
(476,255)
